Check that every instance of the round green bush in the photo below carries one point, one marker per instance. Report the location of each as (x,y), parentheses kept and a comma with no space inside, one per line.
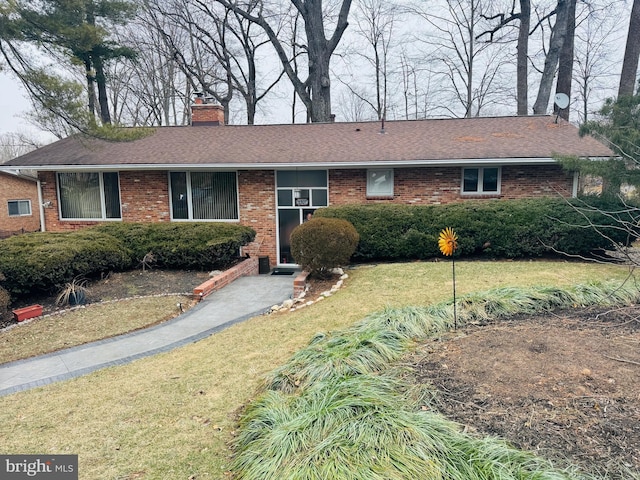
(322,244)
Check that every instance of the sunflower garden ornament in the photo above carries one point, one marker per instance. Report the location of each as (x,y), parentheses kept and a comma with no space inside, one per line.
(448,244)
(448,241)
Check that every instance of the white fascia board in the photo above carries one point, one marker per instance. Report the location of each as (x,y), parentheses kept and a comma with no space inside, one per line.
(308,165)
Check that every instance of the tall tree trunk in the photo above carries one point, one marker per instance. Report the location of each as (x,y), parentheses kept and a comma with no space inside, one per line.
(91,90)
(522,85)
(101,81)
(378,84)
(631,54)
(98,65)
(470,50)
(319,58)
(565,68)
(315,91)
(558,35)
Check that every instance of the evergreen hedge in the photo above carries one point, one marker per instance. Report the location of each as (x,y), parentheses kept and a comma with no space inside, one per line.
(197,246)
(494,228)
(44,261)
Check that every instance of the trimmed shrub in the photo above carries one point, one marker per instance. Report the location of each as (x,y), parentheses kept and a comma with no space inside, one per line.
(197,246)
(323,243)
(494,228)
(45,261)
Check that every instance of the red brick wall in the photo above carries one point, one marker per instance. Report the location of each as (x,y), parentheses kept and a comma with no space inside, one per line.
(16,188)
(144,196)
(258,211)
(529,181)
(440,185)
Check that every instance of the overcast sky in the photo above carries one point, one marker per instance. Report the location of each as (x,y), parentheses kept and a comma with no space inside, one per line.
(12,103)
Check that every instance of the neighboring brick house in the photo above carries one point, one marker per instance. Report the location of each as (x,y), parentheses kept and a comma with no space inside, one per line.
(270,177)
(19,205)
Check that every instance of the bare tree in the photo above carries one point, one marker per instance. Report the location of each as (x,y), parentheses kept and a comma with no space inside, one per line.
(522,80)
(152,90)
(14,144)
(565,60)
(631,53)
(215,47)
(470,68)
(558,35)
(563,57)
(353,108)
(496,33)
(594,59)
(315,90)
(374,23)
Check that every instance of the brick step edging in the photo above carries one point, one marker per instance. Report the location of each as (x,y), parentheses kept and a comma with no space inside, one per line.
(244,268)
(300,283)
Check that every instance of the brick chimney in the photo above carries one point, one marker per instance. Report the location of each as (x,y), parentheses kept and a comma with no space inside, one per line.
(204,113)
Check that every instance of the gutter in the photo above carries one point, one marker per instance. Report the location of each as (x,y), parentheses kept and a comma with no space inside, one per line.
(302,165)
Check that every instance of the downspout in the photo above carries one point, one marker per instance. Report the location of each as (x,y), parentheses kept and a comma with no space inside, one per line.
(576,182)
(41,206)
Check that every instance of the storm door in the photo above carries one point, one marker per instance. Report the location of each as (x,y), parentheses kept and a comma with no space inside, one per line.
(299,194)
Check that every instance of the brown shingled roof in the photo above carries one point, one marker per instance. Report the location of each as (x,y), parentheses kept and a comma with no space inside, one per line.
(515,139)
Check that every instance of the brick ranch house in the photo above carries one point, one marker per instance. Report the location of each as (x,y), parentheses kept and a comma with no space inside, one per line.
(19,204)
(271,177)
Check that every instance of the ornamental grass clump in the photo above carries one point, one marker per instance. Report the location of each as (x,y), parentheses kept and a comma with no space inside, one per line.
(337,411)
(328,356)
(365,428)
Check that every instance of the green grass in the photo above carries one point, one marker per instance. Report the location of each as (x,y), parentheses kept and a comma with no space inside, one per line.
(86,324)
(173,415)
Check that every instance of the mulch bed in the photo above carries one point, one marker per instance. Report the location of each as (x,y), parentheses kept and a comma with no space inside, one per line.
(565,386)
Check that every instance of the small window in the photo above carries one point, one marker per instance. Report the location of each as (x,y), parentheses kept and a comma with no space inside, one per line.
(19,208)
(482,180)
(380,182)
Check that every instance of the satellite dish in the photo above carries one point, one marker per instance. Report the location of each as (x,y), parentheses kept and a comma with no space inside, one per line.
(561,100)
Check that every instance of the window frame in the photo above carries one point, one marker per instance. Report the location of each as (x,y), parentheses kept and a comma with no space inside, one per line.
(190,196)
(18,202)
(391,183)
(303,187)
(480,190)
(103,204)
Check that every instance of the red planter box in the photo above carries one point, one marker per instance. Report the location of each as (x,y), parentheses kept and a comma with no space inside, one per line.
(25,313)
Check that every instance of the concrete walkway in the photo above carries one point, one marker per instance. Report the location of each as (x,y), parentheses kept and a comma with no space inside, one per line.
(244,298)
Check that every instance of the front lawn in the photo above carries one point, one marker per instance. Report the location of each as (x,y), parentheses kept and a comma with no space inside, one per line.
(173,415)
